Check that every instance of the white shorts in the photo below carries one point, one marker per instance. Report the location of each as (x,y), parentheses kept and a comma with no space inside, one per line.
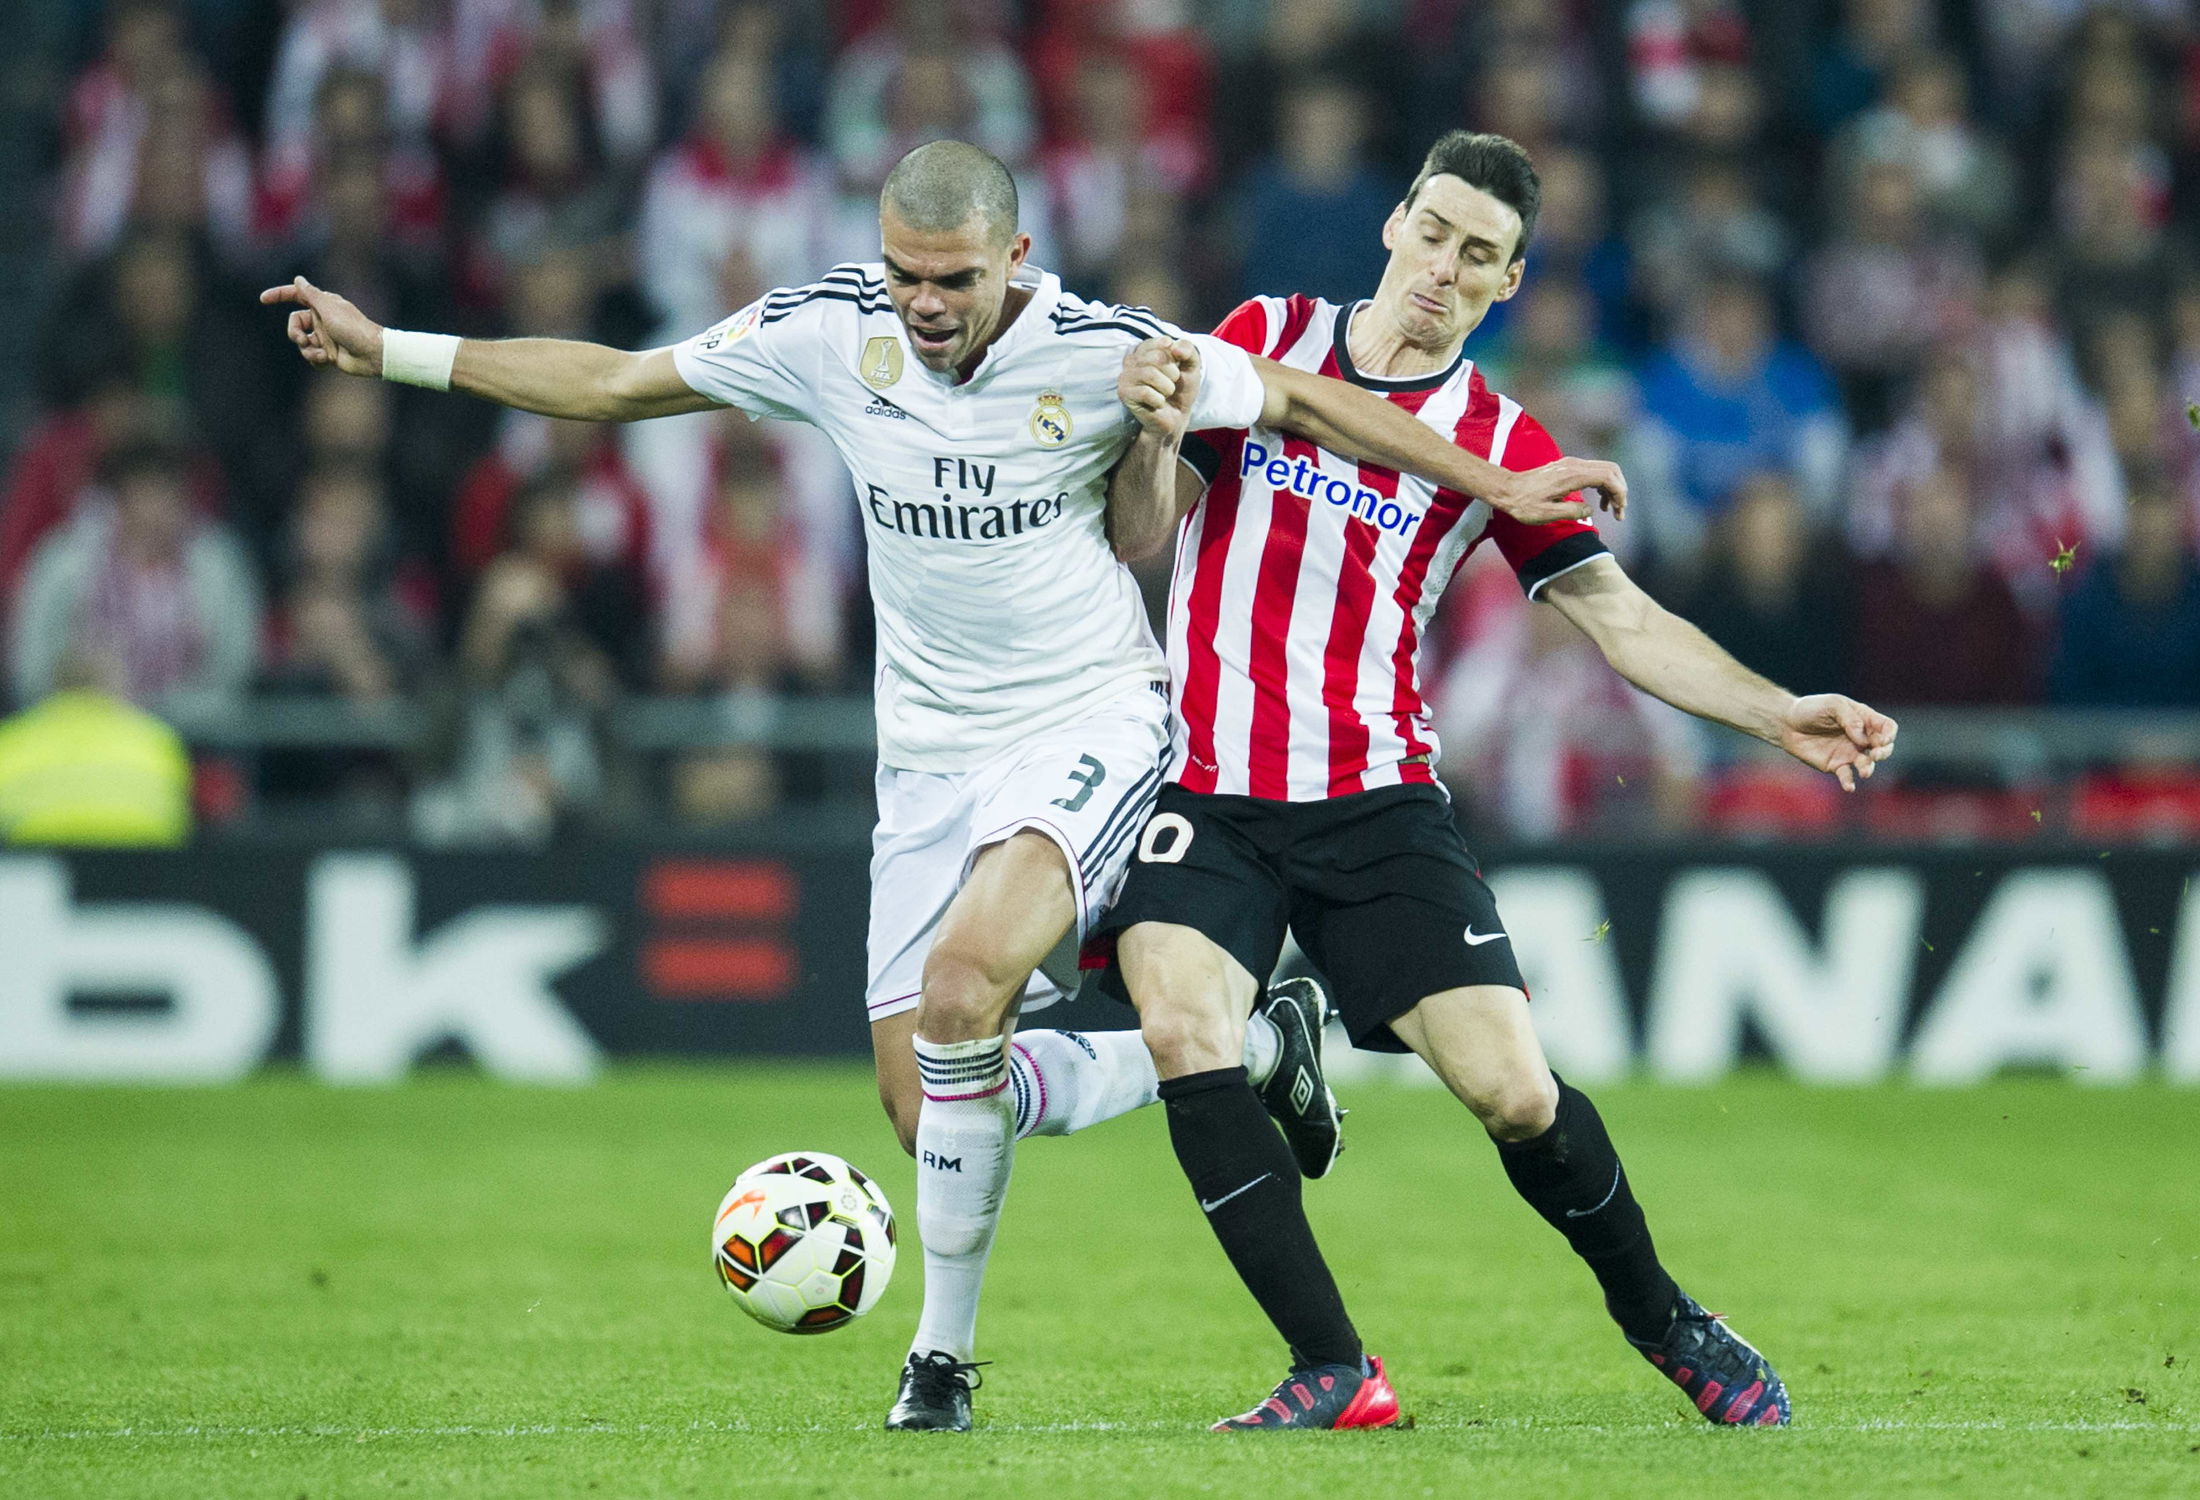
(1087,786)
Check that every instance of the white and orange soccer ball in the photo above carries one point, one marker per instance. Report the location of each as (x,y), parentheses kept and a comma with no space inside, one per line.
(804,1241)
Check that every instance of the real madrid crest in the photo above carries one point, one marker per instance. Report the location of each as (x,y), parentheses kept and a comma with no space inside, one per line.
(881,365)
(1050,422)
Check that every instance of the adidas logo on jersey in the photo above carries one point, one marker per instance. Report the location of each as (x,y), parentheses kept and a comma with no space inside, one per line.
(1302,478)
(881,407)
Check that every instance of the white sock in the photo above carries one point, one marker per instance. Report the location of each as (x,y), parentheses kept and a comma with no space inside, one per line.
(1063,1081)
(966,1144)
(1263,1049)
(1066,1080)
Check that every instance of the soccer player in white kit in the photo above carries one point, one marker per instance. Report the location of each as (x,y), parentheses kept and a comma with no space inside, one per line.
(1021,698)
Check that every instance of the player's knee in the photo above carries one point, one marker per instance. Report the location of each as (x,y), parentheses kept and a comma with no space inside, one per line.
(1186,1038)
(1191,1000)
(963,999)
(1520,1108)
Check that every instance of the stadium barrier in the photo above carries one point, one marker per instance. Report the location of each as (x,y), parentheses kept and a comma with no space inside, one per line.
(1943,966)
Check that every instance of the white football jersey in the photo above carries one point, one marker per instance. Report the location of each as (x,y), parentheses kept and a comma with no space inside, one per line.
(1002,611)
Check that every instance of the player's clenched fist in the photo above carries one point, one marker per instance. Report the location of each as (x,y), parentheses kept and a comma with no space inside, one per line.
(1158,382)
(328,330)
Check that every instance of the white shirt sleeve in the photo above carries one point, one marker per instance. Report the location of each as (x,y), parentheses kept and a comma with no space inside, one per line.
(1230,390)
(756,360)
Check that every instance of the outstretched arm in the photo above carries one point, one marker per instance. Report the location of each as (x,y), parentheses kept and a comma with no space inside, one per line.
(1667,657)
(556,377)
(1361,425)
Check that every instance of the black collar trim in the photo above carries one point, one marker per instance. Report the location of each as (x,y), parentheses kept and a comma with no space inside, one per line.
(1376,382)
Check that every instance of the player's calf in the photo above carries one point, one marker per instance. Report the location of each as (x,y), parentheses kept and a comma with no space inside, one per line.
(900,1092)
(903,1118)
(1067,1081)
(965,1148)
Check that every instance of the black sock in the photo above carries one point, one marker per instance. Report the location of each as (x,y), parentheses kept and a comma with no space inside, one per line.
(1571,1175)
(1248,1182)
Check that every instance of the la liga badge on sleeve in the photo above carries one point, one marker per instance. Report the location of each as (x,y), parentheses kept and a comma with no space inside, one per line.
(735,328)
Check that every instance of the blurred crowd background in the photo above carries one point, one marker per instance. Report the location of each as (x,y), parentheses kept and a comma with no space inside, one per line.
(1887,306)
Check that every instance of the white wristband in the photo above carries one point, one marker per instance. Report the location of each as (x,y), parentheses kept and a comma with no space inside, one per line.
(419,358)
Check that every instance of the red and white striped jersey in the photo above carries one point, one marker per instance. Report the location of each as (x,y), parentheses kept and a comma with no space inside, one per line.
(1305,582)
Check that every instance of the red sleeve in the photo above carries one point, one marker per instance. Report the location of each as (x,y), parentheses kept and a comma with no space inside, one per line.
(1246,327)
(1267,325)
(1538,554)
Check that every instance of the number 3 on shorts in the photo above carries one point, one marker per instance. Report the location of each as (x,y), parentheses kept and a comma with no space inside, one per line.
(1088,775)
(1167,838)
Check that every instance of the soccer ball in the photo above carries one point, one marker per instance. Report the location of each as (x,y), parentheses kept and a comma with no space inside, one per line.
(804,1242)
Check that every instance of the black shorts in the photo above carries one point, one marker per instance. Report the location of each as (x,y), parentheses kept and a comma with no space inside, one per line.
(1377,887)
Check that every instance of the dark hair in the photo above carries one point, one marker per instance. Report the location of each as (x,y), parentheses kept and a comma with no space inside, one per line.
(1493,163)
(943,185)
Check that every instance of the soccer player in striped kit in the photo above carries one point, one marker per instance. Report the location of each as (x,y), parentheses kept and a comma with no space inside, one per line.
(1302,792)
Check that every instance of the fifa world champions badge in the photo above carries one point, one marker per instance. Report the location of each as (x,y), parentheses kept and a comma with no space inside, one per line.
(881,365)
(1050,422)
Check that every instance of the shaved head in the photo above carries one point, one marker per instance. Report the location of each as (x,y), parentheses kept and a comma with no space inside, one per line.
(940,187)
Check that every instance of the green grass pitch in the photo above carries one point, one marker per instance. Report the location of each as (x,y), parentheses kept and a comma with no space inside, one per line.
(457,1288)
